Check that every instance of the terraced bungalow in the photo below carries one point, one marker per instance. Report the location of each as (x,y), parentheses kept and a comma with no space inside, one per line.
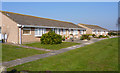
(21,28)
(94,29)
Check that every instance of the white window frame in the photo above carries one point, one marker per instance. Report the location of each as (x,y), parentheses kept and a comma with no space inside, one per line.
(70,31)
(81,31)
(38,31)
(96,32)
(58,31)
(84,31)
(61,32)
(64,31)
(102,32)
(27,29)
(75,32)
(93,31)
(106,32)
(42,30)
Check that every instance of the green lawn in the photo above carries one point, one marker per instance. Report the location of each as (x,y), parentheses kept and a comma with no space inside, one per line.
(100,56)
(52,47)
(10,52)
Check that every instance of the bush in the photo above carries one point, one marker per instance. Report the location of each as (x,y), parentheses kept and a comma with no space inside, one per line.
(106,36)
(102,36)
(93,35)
(89,34)
(96,37)
(112,34)
(63,38)
(51,38)
(83,37)
(88,38)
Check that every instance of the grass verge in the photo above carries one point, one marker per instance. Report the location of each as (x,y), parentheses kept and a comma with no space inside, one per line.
(52,47)
(99,56)
(10,52)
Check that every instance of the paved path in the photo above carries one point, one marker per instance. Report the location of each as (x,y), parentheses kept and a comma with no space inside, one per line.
(35,48)
(30,47)
(36,57)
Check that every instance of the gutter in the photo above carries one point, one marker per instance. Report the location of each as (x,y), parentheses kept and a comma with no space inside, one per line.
(100,29)
(51,27)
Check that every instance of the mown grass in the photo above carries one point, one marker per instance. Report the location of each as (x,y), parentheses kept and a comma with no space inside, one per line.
(100,56)
(53,46)
(10,52)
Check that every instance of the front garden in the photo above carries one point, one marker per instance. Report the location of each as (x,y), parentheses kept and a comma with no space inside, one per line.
(90,36)
(10,52)
(52,41)
(53,46)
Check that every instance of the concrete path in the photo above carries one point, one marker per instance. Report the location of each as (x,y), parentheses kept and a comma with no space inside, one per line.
(30,47)
(36,57)
(35,48)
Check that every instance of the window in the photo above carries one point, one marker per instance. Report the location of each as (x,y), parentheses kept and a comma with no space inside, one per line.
(26,31)
(53,29)
(75,32)
(70,31)
(64,31)
(84,31)
(106,32)
(58,31)
(96,32)
(81,31)
(44,31)
(40,31)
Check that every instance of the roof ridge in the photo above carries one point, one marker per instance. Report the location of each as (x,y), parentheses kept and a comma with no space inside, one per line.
(36,16)
(94,25)
(88,24)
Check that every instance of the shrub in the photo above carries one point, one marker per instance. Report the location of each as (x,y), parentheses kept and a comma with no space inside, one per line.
(89,34)
(71,34)
(96,37)
(63,38)
(112,34)
(51,38)
(93,35)
(101,36)
(83,37)
(88,38)
(106,36)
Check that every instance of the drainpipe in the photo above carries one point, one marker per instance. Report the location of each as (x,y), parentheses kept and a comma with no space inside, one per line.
(20,35)
(20,40)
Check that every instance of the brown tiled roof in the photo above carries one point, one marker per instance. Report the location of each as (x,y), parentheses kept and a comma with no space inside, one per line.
(38,21)
(93,27)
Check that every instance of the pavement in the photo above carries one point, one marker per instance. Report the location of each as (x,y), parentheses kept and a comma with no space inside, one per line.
(52,53)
